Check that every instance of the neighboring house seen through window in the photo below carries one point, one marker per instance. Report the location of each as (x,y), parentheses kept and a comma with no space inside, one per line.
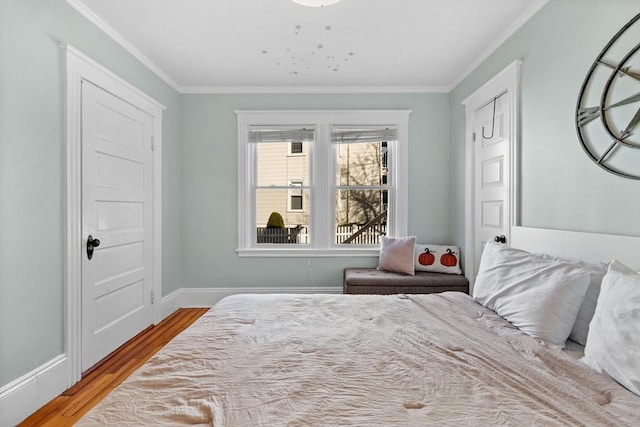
(336,178)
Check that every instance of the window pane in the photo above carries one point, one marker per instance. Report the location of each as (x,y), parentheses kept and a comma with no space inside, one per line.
(295,148)
(361,216)
(294,228)
(276,167)
(361,164)
(361,213)
(296,203)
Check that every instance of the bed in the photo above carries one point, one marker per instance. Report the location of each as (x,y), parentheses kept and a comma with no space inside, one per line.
(367,360)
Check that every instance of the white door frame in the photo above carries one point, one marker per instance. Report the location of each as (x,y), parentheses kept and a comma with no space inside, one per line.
(79,67)
(506,80)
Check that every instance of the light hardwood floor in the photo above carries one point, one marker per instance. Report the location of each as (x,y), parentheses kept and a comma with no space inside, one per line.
(96,383)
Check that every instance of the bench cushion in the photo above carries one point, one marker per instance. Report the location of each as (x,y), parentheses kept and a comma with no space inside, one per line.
(373,281)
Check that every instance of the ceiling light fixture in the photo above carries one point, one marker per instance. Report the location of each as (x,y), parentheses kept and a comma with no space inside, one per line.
(316,3)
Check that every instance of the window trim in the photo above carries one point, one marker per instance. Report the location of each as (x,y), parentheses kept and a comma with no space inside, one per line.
(323,182)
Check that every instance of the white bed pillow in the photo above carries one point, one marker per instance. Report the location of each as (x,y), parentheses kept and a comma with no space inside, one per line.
(396,254)
(438,259)
(540,296)
(613,343)
(587,309)
(585,314)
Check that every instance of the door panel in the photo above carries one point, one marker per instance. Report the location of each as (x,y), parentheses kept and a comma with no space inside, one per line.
(119,124)
(116,260)
(491,215)
(113,171)
(117,183)
(493,172)
(119,215)
(112,306)
(491,163)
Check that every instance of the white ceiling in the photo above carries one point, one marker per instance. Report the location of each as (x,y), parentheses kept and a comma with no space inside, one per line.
(278,45)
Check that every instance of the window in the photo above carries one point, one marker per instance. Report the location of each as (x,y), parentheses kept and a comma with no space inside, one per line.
(295,196)
(338,180)
(361,184)
(278,185)
(295,148)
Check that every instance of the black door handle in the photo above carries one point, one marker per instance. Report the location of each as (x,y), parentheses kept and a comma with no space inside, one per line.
(500,239)
(91,243)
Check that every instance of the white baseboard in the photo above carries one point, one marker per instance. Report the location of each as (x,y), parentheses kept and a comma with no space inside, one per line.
(170,303)
(25,395)
(208,297)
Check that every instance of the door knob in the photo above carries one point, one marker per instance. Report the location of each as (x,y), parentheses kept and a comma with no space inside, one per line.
(91,243)
(500,239)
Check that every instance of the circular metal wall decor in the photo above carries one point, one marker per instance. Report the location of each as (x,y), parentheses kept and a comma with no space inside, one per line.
(608,109)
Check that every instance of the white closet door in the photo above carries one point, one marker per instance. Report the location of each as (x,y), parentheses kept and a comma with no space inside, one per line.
(117,203)
(492,187)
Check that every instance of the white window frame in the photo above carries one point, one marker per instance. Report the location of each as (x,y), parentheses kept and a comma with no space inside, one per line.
(322,178)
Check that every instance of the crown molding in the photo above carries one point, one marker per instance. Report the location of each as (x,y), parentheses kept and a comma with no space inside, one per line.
(311,89)
(535,6)
(83,10)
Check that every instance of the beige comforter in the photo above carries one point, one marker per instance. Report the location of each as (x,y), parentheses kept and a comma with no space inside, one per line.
(330,360)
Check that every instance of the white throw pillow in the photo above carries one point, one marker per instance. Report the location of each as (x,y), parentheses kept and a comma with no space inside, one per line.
(396,254)
(438,259)
(540,296)
(613,343)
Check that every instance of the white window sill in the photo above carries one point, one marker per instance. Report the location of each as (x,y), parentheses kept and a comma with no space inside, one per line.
(308,252)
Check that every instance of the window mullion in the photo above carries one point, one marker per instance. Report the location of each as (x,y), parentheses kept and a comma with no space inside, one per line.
(252,177)
(322,200)
(332,188)
(398,157)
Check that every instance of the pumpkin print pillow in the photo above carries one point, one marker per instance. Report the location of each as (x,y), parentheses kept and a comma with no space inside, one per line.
(437,259)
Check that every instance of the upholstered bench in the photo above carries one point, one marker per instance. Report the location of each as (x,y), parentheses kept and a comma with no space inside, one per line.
(373,281)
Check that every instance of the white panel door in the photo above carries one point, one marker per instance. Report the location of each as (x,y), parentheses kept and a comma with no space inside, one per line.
(492,176)
(117,200)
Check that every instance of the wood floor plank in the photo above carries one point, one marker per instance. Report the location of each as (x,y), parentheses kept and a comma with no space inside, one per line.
(111,381)
(123,353)
(47,411)
(137,345)
(100,380)
(156,341)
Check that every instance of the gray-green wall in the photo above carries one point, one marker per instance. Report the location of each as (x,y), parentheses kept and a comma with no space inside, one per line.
(561,187)
(209,215)
(32,172)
